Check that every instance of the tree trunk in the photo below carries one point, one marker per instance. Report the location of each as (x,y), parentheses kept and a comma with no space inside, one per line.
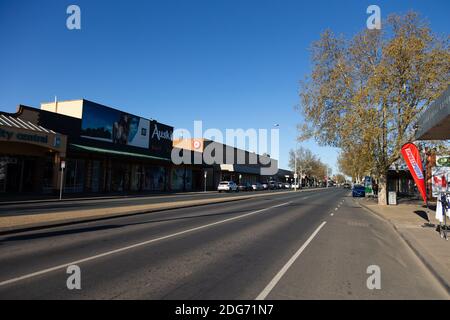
(382,190)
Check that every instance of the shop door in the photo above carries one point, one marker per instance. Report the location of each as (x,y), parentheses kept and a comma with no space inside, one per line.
(3,172)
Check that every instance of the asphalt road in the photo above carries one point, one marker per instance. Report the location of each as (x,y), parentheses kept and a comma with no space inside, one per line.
(287,246)
(67,205)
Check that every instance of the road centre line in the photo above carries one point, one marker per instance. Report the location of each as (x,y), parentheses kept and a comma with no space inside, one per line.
(140,244)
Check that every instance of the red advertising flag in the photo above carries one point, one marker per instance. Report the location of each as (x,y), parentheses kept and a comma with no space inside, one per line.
(412,157)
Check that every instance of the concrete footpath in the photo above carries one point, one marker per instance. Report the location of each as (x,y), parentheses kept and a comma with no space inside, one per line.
(10,224)
(408,220)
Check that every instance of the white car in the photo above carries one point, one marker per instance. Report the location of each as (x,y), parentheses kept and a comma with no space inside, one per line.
(295,186)
(227,186)
(257,186)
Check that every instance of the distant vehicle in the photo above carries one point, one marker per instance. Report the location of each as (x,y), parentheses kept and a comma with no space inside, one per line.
(245,187)
(347,185)
(227,186)
(257,186)
(358,191)
(265,186)
(280,185)
(293,186)
(287,185)
(273,185)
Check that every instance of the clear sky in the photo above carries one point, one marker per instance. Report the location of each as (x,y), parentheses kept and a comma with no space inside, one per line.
(229,63)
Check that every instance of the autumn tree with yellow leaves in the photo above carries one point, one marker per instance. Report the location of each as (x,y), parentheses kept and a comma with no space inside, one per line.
(364,94)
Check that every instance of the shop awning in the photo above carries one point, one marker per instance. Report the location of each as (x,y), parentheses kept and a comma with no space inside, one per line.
(78,147)
(434,124)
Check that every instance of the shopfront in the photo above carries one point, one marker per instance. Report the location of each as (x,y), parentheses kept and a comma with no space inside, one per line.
(108,150)
(30,156)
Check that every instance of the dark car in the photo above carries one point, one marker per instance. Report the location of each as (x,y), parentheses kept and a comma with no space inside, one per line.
(347,185)
(358,191)
(273,185)
(245,187)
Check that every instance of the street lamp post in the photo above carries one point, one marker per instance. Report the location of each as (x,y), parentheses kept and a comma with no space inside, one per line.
(61,183)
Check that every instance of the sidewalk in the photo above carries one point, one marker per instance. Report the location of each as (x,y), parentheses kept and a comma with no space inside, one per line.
(408,221)
(94,196)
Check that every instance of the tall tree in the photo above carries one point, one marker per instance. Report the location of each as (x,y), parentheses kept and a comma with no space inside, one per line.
(366,92)
(308,163)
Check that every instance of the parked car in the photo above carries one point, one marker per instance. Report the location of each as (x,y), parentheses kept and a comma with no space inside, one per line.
(227,186)
(287,185)
(265,186)
(257,186)
(280,185)
(347,185)
(293,186)
(245,187)
(273,185)
(358,191)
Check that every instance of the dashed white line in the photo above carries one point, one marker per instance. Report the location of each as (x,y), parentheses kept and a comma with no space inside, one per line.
(140,244)
(263,295)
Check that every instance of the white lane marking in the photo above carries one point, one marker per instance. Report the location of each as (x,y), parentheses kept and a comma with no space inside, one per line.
(263,295)
(101,255)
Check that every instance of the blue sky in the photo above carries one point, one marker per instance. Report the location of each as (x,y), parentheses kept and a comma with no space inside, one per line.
(231,64)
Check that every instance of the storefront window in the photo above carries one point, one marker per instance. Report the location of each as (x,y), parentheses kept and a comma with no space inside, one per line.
(48,175)
(74,176)
(119,177)
(95,179)
(3,171)
(154,178)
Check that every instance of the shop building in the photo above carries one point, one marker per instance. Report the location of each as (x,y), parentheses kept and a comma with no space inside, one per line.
(228,163)
(106,150)
(30,156)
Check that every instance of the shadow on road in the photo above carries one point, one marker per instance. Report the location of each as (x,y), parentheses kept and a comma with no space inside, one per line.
(40,235)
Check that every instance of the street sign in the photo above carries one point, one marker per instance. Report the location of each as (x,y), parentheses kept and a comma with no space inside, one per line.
(443,161)
(295,176)
(392,198)
(63,164)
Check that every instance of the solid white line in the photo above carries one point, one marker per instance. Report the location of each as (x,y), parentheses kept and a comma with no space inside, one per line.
(263,295)
(101,255)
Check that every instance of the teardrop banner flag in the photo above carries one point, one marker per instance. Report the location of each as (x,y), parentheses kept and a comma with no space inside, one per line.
(412,157)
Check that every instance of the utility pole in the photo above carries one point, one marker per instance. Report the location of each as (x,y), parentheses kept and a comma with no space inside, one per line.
(61,183)
(295,174)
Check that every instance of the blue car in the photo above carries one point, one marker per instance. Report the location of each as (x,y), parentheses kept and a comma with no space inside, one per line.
(358,191)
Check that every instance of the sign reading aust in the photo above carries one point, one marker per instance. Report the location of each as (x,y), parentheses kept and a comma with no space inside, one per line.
(161,139)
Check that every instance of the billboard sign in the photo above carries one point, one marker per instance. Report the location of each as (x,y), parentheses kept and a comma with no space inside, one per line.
(110,125)
(161,136)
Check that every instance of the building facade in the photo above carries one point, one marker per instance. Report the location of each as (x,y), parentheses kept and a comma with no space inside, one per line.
(105,150)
